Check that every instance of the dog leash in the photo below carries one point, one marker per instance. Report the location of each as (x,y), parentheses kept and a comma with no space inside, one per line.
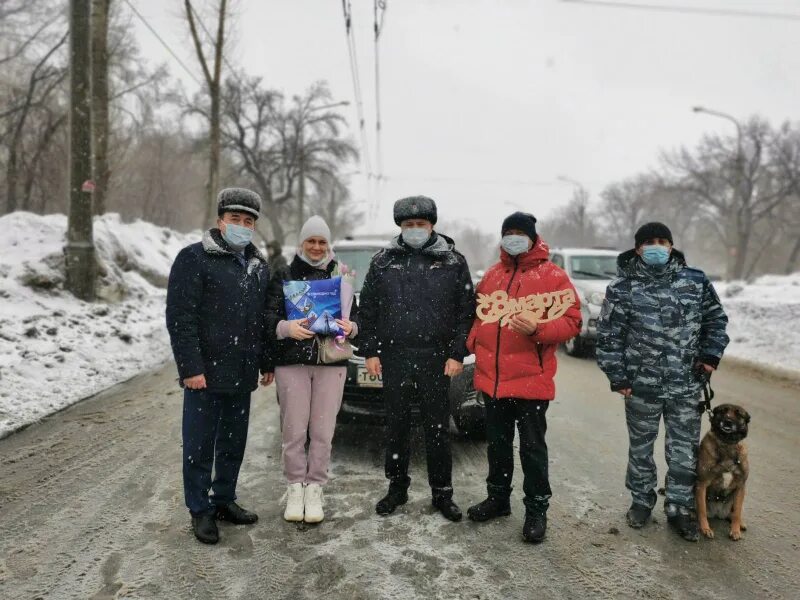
(708,393)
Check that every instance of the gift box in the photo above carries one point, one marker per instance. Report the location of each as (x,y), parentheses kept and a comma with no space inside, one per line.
(319,302)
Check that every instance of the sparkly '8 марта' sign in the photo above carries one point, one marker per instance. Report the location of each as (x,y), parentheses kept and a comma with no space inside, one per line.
(541,308)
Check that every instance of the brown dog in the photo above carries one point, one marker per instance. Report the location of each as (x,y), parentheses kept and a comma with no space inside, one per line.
(722,470)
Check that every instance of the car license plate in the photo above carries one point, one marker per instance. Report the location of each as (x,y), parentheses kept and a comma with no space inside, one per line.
(364,379)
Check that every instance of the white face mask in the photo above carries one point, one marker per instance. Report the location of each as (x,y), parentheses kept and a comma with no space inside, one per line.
(237,236)
(313,263)
(416,236)
(515,244)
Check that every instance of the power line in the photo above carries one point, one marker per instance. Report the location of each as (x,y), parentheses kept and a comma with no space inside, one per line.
(163,43)
(697,10)
(468,181)
(354,73)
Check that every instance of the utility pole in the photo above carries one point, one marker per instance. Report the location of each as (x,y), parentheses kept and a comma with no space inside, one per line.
(79,251)
(100,122)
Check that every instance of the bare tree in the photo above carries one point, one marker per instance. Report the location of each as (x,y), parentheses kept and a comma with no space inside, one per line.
(481,249)
(736,183)
(623,208)
(319,149)
(43,80)
(274,145)
(787,159)
(333,203)
(574,224)
(213,79)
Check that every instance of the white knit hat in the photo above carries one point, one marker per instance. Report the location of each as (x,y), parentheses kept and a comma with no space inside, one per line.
(315,226)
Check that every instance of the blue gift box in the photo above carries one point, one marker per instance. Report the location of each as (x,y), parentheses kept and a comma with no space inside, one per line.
(318,301)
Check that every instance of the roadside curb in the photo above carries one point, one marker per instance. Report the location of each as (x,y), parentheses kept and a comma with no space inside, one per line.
(762,371)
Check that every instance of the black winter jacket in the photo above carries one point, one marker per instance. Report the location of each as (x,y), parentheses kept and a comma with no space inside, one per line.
(216,314)
(417,299)
(290,351)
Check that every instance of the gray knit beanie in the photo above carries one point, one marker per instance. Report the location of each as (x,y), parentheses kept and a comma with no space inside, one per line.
(315,226)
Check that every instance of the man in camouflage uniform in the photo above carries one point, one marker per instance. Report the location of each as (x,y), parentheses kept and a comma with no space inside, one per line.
(662,323)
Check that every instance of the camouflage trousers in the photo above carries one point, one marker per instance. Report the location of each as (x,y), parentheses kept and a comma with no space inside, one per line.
(682,422)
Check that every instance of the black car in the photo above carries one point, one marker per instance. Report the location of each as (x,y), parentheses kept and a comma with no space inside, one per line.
(363,392)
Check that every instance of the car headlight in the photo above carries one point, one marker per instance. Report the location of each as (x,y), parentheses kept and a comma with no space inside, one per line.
(596,298)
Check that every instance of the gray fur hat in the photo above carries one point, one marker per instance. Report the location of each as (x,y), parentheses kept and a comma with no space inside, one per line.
(415,207)
(238,200)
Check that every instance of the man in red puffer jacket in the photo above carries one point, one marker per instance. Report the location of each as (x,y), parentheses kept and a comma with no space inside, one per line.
(527,306)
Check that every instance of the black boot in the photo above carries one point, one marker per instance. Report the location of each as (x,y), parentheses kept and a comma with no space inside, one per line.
(535,527)
(233,513)
(489,509)
(396,497)
(682,521)
(205,528)
(637,516)
(445,505)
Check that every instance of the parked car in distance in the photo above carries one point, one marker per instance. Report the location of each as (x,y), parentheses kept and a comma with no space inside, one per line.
(362,392)
(590,270)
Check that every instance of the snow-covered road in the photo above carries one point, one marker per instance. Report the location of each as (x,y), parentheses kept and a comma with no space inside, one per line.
(91,507)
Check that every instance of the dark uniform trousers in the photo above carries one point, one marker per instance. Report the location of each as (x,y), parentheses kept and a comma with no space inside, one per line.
(417,377)
(529,416)
(214,437)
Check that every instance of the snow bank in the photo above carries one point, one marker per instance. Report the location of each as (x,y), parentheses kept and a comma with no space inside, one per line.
(764,320)
(55,349)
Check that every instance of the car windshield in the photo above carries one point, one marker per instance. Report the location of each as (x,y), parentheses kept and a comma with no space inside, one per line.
(593,267)
(357,259)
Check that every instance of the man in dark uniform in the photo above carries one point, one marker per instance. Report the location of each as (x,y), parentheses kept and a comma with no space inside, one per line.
(216,303)
(417,307)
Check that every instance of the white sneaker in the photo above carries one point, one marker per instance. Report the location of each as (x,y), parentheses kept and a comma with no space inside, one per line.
(314,512)
(294,502)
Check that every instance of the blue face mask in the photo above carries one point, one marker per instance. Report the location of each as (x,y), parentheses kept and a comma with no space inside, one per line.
(515,244)
(416,236)
(655,255)
(237,236)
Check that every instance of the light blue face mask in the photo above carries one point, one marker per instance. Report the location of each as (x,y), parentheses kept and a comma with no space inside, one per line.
(515,244)
(655,255)
(237,236)
(416,236)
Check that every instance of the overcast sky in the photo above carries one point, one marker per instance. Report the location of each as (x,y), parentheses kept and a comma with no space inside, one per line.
(486,102)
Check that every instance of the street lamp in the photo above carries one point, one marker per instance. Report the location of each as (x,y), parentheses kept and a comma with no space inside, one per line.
(301,184)
(739,163)
(721,115)
(579,187)
(566,179)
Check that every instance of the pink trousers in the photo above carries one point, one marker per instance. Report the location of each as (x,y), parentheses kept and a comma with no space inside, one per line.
(310,398)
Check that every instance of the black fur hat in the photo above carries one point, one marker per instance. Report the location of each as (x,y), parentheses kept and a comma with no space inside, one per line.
(238,200)
(415,207)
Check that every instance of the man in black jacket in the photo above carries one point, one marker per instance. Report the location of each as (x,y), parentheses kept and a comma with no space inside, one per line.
(416,309)
(216,302)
